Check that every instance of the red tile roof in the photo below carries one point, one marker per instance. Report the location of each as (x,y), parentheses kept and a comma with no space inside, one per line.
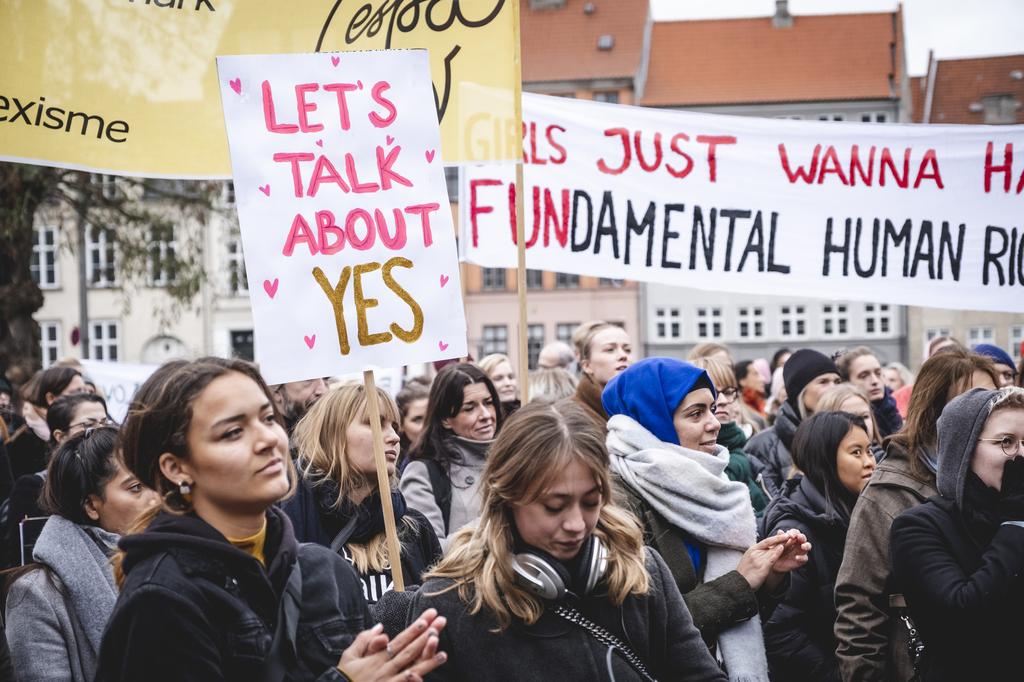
(734,61)
(561,43)
(962,82)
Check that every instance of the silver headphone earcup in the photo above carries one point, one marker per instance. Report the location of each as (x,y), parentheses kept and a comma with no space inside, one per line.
(536,575)
(597,566)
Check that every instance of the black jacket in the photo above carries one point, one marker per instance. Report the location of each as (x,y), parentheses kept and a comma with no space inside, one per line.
(315,521)
(770,449)
(657,626)
(193,607)
(966,596)
(24,502)
(887,415)
(799,638)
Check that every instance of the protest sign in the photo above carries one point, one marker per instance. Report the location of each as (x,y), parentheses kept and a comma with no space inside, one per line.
(118,382)
(905,214)
(128,86)
(343,210)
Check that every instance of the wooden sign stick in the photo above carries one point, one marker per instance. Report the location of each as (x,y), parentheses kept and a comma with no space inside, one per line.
(383,481)
(524,358)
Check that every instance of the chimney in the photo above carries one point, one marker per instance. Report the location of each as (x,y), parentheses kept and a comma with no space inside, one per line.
(782,18)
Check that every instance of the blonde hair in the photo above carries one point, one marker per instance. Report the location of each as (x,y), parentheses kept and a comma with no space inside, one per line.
(832,400)
(1009,398)
(552,384)
(584,335)
(720,372)
(323,459)
(489,363)
(706,350)
(536,445)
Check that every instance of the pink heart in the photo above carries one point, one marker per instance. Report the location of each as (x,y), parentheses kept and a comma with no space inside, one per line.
(335,60)
(270,287)
(390,139)
(265,189)
(442,345)
(310,340)
(444,280)
(319,143)
(236,85)
(430,155)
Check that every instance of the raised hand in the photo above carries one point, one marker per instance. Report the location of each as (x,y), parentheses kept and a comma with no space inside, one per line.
(407,658)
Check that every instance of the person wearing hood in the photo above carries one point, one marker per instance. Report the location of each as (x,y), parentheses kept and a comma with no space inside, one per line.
(959,557)
(214,585)
(832,450)
(58,606)
(807,374)
(872,641)
(442,478)
(670,470)
(338,503)
(861,368)
(1005,369)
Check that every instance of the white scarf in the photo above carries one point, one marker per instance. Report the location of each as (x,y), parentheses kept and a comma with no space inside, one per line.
(689,488)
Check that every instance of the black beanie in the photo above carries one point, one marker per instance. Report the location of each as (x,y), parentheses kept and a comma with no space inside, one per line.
(803,367)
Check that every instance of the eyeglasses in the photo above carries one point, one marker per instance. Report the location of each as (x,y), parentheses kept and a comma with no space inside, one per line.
(728,395)
(1011,446)
(92,423)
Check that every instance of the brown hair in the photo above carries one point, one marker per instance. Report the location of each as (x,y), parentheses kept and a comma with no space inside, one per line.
(535,447)
(942,377)
(844,361)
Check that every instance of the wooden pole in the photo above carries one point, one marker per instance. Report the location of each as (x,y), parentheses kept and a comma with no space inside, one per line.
(524,359)
(383,481)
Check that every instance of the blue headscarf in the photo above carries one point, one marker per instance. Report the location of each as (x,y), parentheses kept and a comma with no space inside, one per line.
(651,390)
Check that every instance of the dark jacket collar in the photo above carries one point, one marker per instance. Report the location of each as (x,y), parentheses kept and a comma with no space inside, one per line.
(786,423)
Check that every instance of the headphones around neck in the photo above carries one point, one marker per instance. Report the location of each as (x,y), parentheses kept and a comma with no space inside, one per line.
(544,576)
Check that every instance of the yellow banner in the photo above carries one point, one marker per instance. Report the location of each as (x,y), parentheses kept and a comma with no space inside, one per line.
(130,86)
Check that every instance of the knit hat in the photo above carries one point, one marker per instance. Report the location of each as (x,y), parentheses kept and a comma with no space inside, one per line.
(803,367)
(995,354)
(959,427)
(651,390)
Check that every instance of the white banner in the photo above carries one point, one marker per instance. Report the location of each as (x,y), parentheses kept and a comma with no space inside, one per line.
(905,214)
(346,227)
(118,382)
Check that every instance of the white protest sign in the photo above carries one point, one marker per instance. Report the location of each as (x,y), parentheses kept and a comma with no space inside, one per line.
(118,381)
(344,212)
(906,214)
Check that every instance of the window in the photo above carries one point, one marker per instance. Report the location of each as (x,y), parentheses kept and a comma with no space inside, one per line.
(877,318)
(242,344)
(976,335)
(44,257)
(610,282)
(610,96)
(1000,108)
(564,330)
(565,281)
(107,185)
(534,279)
(534,342)
(238,280)
(49,341)
(105,340)
(873,117)
(1016,338)
(667,323)
(794,321)
(495,340)
(494,279)
(709,323)
(228,193)
(834,319)
(831,117)
(162,249)
(101,268)
(751,322)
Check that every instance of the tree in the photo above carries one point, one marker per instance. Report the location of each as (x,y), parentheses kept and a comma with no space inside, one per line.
(131,212)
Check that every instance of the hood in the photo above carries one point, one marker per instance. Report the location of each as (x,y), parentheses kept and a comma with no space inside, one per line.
(959,427)
(801,500)
(188,532)
(650,391)
(786,423)
(79,556)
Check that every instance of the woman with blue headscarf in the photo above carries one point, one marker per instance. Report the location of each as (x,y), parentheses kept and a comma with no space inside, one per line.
(669,468)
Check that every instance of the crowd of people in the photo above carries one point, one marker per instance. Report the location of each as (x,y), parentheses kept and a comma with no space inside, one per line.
(804,517)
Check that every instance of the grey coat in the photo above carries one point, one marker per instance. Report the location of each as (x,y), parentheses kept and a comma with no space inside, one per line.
(56,615)
(466,470)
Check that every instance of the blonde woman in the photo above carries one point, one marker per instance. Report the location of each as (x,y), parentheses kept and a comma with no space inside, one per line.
(604,350)
(338,502)
(498,368)
(849,398)
(554,582)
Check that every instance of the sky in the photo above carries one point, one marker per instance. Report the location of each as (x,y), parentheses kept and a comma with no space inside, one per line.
(952,28)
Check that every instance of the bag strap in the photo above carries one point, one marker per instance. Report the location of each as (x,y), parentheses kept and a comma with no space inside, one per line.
(282,653)
(442,487)
(344,534)
(915,645)
(604,637)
